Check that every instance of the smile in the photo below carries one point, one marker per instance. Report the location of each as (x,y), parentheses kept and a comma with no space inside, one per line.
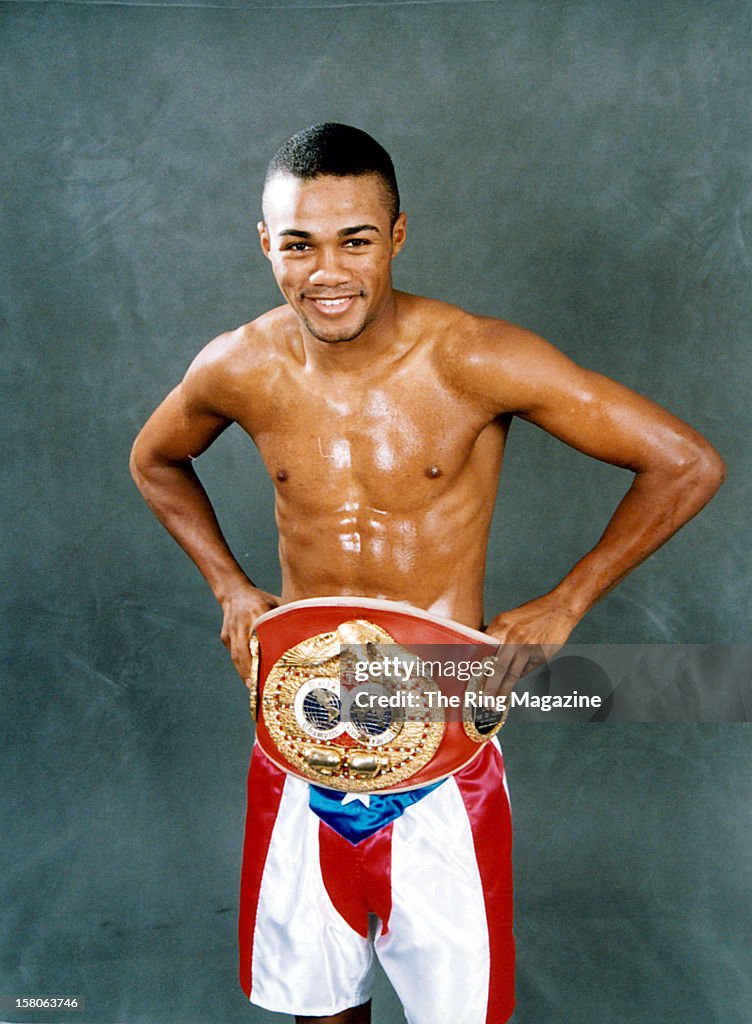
(333,306)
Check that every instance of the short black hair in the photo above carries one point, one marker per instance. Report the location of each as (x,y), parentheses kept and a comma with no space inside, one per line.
(338,150)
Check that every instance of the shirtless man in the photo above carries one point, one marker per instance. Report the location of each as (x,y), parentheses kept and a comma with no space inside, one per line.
(381,418)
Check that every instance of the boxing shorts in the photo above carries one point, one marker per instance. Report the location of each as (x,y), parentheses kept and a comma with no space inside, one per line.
(421,881)
(337,873)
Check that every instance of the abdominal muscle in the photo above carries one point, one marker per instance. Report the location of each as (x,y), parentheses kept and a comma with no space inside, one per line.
(433,559)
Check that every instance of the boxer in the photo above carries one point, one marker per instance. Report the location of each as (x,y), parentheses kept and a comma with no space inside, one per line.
(382,419)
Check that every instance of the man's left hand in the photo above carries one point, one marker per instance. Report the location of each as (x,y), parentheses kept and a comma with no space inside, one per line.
(530,635)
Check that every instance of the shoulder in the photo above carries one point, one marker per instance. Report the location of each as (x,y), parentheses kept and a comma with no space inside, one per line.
(493,361)
(247,348)
(240,361)
(461,337)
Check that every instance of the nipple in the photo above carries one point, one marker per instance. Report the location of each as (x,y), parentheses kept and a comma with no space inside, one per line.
(433,472)
(282,475)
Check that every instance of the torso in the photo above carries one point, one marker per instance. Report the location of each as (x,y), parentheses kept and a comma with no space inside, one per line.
(385,480)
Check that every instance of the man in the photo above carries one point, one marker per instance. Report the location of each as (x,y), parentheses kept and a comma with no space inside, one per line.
(381,418)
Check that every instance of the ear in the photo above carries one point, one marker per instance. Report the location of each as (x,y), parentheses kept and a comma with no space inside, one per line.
(266,243)
(399,233)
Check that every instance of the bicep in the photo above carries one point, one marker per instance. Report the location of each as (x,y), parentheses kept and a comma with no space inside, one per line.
(180,429)
(527,376)
(610,422)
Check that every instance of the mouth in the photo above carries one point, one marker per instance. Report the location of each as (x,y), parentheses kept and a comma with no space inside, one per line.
(332,305)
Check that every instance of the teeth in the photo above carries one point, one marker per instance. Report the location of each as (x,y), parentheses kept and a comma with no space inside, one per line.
(333,302)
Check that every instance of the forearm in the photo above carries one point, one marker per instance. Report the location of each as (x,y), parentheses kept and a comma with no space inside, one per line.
(658,503)
(175,494)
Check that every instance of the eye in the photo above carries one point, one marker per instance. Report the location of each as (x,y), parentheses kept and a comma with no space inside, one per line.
(357,243)
(296,247)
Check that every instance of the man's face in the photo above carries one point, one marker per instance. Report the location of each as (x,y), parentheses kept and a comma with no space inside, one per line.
(331,245)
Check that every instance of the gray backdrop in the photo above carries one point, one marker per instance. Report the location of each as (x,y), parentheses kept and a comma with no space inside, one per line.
(579,167)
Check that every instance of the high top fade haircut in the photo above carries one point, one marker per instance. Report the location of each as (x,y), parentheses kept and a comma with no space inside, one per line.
(338,150)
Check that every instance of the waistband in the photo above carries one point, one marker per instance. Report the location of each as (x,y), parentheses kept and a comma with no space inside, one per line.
(321,668)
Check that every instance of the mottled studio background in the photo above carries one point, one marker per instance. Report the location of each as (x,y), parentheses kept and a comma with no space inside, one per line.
(580,167)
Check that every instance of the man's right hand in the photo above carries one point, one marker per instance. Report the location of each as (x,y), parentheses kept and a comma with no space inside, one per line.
(241,609)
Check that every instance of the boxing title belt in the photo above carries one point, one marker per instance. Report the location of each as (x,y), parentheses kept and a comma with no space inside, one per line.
(336,705)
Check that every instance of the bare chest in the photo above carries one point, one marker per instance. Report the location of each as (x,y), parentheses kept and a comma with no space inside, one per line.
(386,446)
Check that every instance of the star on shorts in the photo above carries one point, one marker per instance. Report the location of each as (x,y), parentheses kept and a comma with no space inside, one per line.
(365,798)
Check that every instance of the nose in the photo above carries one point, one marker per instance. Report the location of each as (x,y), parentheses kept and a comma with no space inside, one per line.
(328,270)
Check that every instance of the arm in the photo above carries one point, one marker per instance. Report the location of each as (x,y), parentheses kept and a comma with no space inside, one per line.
(676,472)
(181,428)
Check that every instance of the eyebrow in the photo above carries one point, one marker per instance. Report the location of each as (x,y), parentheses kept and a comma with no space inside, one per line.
(344,233)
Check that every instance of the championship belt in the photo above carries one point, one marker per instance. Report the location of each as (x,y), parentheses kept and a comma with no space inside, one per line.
(336,704)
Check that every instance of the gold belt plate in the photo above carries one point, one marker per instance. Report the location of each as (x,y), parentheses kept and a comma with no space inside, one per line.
(304,696)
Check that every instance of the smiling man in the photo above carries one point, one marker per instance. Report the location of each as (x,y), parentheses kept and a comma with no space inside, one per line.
(333,307)
(381,418)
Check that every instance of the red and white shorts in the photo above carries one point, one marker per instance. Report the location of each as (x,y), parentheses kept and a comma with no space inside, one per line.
(422,880)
